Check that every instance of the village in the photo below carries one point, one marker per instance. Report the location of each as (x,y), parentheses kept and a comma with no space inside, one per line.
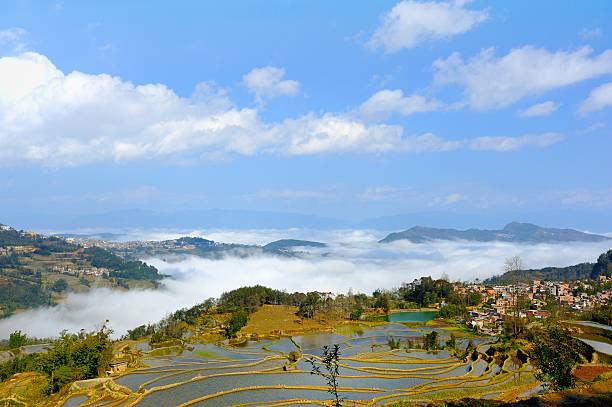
(532,300)
(76,271)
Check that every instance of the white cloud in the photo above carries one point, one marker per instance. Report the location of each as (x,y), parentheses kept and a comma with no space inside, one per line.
(494,82)
(268,83)
(14,38)
(411,23)
(599,98)
(386,102)
(312,134)
(515,143)
(539,109)
(590,33)
(355,261)
(592,128)
(51,118)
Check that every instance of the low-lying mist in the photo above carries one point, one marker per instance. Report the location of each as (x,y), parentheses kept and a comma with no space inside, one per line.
(353,260)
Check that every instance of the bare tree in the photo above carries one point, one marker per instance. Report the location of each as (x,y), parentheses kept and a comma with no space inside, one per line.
(512,266)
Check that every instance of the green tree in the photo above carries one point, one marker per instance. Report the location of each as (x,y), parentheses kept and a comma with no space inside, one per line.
(356,312)
(393,343)
(430,341)
(452,342)
(84,281)
(473,298)
(330,360)
(59,285)
(235,322)
(383,301)
(555,353)
(17,340)
(310,305)
(452,310)
(71,357)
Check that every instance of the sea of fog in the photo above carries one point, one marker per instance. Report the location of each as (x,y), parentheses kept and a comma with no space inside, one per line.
(353,260)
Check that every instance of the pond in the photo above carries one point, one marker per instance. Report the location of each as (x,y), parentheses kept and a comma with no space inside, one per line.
(412,316)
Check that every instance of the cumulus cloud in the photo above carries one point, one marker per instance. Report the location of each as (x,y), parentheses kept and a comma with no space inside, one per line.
(356,261)
(386,102)
(52,118)
(411,23)
(58,119)
(492,82)
(539,109)
(268,83)
(599,98)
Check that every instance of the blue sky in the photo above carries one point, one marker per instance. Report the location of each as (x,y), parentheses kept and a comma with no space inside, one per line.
(341,109)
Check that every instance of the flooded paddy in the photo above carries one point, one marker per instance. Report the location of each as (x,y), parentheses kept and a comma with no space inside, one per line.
(261,372)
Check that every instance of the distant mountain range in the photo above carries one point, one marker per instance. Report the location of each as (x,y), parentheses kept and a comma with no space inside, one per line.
(513,232)
(176,249)
(122,220)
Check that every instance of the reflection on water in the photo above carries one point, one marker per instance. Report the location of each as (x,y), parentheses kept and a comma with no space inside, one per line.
(260,372)
(414,316)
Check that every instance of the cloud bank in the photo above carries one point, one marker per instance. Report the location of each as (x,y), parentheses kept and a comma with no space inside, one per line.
(355,261)
(56,119)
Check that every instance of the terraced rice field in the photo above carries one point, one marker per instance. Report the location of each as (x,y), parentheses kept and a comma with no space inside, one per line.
(259,373)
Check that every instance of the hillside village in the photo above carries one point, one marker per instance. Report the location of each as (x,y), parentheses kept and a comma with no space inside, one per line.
(37,270)
(532,300)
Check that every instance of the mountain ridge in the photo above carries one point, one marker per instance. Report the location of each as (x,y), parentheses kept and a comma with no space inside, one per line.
(515,232)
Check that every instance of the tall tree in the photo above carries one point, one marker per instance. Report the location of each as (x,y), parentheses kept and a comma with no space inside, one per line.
(513,265)
(555,353)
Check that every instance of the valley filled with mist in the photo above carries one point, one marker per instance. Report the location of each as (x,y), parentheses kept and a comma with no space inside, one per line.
(350,260)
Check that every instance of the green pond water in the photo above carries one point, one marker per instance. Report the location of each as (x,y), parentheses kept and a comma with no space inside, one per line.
(412,316)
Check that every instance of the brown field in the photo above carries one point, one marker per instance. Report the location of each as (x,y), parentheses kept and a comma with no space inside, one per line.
(587,372)
(282,320)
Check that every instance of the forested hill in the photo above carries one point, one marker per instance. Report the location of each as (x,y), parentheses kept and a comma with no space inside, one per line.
(288,244)
(512,232)
(39,270)
(603,267)
(176,249)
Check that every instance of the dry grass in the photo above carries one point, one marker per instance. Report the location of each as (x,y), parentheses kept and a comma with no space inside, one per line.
(282,320)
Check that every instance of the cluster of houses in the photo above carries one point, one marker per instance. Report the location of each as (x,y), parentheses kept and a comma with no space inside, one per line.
(529,300)
(5,251)
(91,271)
